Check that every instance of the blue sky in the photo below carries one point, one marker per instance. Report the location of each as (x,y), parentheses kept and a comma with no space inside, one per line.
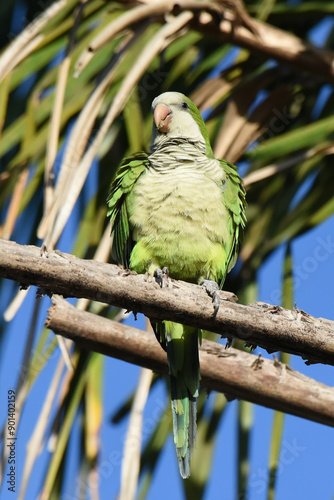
(306,465)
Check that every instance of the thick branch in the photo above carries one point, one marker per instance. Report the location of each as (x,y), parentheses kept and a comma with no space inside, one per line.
(228,21)
(272,328)
(270,41)
(233,372)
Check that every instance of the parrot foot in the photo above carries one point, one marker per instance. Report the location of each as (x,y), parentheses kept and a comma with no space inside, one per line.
(212,289)
(161,276)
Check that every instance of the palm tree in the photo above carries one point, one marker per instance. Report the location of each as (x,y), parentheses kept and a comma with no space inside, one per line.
(77,81)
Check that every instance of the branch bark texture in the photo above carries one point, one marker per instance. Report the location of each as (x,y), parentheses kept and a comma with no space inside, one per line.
(265,39)
(228,21)
(233,372)
(270,327)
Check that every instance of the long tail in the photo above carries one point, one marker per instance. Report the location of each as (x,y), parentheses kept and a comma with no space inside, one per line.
(182,351)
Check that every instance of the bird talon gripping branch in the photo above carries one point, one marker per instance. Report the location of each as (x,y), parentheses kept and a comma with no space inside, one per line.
(161,276)
(212,289)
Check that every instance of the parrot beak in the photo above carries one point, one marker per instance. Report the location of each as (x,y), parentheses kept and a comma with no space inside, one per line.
(162,117)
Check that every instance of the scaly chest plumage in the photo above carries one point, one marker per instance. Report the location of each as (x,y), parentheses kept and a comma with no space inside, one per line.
(178,217)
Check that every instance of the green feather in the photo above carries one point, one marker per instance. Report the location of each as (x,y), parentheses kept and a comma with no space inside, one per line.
(183,360)
(200,122)
(234,198)
(119,203)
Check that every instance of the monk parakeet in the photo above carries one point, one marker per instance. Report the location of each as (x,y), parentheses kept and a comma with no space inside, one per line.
(182,209)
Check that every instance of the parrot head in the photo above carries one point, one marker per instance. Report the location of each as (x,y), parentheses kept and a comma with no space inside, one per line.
(175,116)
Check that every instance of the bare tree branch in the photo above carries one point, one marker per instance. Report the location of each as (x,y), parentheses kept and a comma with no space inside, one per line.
(233,372)
(270,327)
(227,21)
(237,27)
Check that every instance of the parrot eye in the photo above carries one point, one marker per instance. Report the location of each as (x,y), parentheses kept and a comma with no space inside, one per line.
(185,105)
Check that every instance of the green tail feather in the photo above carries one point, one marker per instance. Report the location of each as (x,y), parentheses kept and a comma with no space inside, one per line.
(181,344)
(184,424)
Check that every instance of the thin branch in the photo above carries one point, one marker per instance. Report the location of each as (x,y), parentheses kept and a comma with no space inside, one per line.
(124,21)
(134,437)
(270,170)
(15,304)
(14,207)
(270,327)
(266,40)
(27,41)
(34,446)
(233,372)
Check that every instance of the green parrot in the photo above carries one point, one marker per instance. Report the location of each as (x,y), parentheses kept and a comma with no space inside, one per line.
(178,211)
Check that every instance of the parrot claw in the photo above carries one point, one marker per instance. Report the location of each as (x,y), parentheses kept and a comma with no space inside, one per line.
(161,276)
(212,289)
(44,251)
(147,277)
(229,343)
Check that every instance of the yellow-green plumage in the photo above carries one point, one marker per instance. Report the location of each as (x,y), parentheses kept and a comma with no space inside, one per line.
(182,209)
(176,223)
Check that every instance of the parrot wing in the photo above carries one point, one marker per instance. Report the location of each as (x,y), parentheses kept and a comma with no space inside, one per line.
(234,199)
(119,200)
